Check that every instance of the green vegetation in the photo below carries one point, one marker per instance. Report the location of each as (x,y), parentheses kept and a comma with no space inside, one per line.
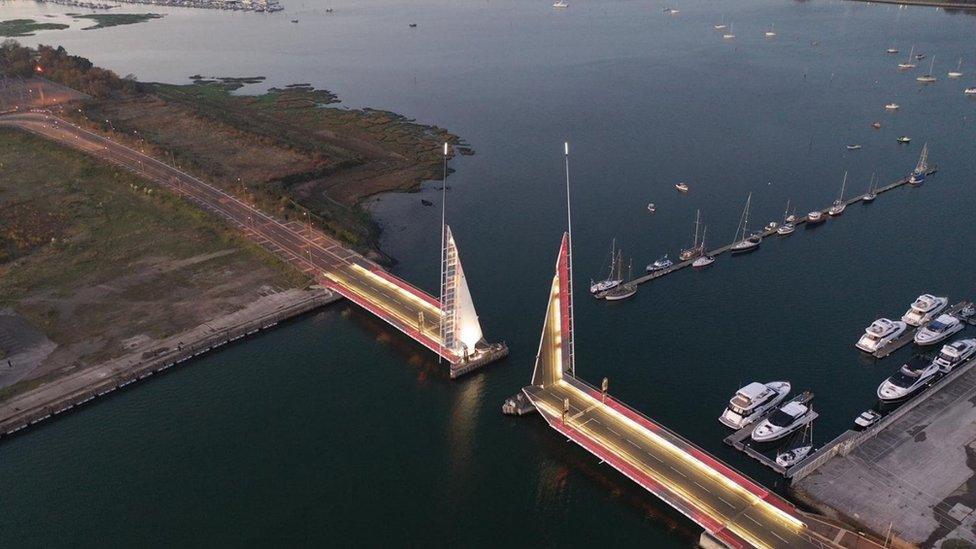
(71,70)
(103,20)
(92,255)
(26,27)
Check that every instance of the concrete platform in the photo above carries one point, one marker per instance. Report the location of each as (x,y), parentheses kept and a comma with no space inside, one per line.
(916,474)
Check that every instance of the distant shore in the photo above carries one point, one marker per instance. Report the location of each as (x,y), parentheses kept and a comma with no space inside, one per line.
(927,3)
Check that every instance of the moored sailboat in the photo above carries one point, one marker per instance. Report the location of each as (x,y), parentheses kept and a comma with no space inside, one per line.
(921,168)
(696,248)
(839,205)
(748,242)
(610,281)
(705,259)
(872,193)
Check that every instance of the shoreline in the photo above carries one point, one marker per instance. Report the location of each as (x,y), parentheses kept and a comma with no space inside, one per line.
(61,395)
(925,3)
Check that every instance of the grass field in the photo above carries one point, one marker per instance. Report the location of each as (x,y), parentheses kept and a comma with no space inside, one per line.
(97,259)
(289,147)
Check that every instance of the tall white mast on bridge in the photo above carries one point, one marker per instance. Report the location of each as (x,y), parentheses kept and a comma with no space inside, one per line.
(571,367)
(460,328)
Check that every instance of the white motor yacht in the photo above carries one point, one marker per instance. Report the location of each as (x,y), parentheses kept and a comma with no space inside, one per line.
(924,309)
(969,91)
(782,422)
(911,377)
(955,353)
(937,330)
(880,333)
(560,4)
(752,401)
(660,264)
(785,229)
(892,107)
(815,217)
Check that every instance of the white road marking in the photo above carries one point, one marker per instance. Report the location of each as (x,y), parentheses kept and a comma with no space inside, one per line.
(726,502)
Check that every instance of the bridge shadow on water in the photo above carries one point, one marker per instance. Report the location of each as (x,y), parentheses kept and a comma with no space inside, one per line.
(403,347)
(570,460)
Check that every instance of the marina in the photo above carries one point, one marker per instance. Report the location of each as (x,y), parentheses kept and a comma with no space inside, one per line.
(770,231)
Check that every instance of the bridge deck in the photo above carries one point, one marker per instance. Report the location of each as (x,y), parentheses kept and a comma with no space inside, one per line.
(731,507)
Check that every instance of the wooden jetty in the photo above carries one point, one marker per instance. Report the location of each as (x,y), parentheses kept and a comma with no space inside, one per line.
(738,439)
(909,335)
(765,233)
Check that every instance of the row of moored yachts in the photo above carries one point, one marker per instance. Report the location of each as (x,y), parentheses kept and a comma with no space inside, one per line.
(934,326)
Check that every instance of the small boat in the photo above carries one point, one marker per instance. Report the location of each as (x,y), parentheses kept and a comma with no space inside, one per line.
(880,333)
(721,26)
(930,77)
(671,11)
(748,242)
(955,353)
(771,226)
(839,205)
(704,260)
(919,56)
(854,147)
(771,33)
(413,25)
(662,263)
(560,4)
(908,64)
(815,218)
(876,125)
(937,330)
(294,20)
(788,225)
(794,455)
(611,281)
(782,422)
(969,91)
(651,208)
(623,291)
(904,139)
(891,50)
(892,107)
(867,419)
(697,247)
(729,35)
(426,202)
(909,379)
(921,168)
(872,193)
(682,187)
(958,72)
(752,401)
(924,309)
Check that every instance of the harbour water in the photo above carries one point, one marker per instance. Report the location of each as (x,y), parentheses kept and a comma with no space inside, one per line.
(335,430)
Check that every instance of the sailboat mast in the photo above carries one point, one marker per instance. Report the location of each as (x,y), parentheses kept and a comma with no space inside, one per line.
(697,220)
(745,218)
(843,187)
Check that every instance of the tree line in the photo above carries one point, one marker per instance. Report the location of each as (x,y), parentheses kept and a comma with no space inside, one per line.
(57,65)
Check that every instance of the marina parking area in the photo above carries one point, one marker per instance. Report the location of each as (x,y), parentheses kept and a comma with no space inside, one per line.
(914,476)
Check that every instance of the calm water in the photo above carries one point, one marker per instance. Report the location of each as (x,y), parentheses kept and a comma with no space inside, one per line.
(334,430)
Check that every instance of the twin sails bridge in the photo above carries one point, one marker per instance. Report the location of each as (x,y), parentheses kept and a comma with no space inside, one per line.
(733,510)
